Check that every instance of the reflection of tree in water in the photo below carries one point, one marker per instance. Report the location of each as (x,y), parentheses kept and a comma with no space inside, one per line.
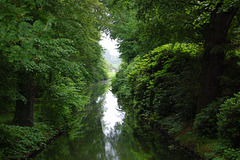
(152,146)
(91,117)
(87,145)
(94,135)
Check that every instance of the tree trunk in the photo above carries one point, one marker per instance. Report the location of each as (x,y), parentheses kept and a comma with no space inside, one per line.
(215,34)
(24,109)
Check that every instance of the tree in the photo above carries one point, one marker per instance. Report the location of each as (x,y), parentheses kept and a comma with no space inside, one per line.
(18,37)
(205,22)
(48,40)
(215,38)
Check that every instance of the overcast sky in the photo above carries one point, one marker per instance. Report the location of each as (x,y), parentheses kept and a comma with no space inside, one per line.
(109,44)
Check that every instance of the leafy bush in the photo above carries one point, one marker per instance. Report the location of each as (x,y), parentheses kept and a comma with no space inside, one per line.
(231,154)
(164,81)
(18,142)
(172,124)
(160,83)
(227,154)
(119,84)
(229,120)
(205,123)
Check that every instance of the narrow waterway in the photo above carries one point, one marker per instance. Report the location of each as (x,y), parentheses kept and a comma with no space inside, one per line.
(105,136)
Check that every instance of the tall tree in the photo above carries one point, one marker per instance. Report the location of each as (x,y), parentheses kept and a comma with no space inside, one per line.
(46,39)
(19,33)
(215,38)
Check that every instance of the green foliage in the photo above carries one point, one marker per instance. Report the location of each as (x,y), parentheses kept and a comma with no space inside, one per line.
(8,91)
(228,120)
(223,152)
(17,142)
(231,154)
(56,42)
(51,41)
(78,21)
(119,83)
(230,80)
(160,83)
(166,68)
(61,102)
(135,37)
(166,81)
(171,124)
(111,75)
(205,123)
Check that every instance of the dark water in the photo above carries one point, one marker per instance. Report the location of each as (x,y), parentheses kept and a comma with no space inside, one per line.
(106,137)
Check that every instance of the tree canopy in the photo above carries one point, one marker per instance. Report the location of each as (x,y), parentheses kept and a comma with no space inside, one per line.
(144,25)
(48,48)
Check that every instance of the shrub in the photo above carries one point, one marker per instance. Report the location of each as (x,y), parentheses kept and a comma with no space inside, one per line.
(231,154)
(229,120)
(228,154)
(164,81)
(18,142)
(205,123)
(160,83)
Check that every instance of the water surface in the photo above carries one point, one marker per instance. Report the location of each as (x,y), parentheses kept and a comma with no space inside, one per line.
(106,137)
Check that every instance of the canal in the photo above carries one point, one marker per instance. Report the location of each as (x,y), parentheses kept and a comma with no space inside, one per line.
(105,136)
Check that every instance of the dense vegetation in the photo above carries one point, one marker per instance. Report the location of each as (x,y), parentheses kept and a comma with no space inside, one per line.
(181,70)
(49,54)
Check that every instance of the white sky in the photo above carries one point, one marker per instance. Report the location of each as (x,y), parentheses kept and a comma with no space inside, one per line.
(109,44)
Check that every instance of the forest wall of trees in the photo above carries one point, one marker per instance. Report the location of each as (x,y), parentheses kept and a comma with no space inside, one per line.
(181,70)
(49,55)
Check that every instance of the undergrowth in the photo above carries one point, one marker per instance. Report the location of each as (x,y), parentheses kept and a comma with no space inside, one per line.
(19,142)
(209,148)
